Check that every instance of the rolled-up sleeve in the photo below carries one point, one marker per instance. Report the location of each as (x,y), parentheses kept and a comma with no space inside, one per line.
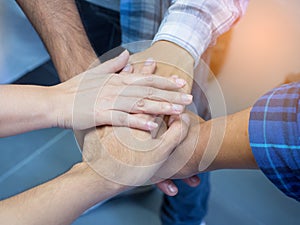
(194,24)
(274,127)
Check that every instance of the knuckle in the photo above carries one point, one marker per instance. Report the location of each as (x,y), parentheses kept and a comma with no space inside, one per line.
(140,106)
(122,118)
(150,91)
(126,80)
(140,103)
(165,107)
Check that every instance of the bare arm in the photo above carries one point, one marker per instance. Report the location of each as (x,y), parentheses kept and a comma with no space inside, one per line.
(59,201)
(63,199)
(59,25)
(234,151)
(94,98)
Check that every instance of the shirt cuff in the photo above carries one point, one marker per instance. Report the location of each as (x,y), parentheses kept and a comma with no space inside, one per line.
(274,137)
(184,33)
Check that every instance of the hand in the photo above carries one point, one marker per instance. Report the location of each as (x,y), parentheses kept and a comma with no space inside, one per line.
(169,187)
(101,97)
(184,161)
(171,59)
(130,161)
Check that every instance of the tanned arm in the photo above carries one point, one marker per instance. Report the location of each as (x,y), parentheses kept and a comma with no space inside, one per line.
(59,25)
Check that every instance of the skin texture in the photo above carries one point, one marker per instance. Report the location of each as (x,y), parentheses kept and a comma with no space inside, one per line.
(234,152)
(61,30)
(69,195)
(63,35)
(102,97)
(59,25)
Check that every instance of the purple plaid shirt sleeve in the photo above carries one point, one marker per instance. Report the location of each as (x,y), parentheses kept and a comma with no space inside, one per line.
(195,24)
(274,132)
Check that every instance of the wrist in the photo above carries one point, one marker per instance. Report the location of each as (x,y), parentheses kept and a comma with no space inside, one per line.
(45,106)
(174,54)
(99,186)
(59,107)
(171,59)
(77,63)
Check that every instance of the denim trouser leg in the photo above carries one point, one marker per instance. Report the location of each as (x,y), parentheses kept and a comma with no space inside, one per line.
(189,206)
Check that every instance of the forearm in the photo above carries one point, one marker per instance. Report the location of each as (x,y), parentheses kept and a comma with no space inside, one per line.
(235,151)
(59,25)
(59,201)
(25,108)
(221,143)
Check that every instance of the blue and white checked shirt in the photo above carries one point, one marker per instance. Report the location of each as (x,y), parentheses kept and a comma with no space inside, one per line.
(191,24)
(274,132)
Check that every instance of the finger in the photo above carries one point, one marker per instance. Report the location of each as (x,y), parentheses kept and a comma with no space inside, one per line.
(146,106)
(171,120)
(146,68)
(128,69)
(176,132)
(123,119)
(193,181)
(156,81)
(114,65)
(157,94)
(168,187)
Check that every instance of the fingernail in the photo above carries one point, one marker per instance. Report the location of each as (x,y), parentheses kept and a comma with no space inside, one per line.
(172,188)
(127,68)
(180,82)
(187,98)
(194,179)
(149,62)
(177,108)
(124,54)
(151,125)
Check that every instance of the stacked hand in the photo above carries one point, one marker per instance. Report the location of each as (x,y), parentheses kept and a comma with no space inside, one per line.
(100,96)
(131,157)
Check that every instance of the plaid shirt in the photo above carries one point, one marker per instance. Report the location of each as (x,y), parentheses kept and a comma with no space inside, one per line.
(191,24)
(274,132)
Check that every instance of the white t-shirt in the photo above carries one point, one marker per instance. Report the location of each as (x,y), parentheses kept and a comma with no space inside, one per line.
(109,4)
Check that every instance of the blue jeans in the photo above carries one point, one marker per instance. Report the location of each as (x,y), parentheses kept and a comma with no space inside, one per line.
(104,32)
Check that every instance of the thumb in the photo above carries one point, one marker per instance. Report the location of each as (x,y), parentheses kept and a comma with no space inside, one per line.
(116,64)
(177,132)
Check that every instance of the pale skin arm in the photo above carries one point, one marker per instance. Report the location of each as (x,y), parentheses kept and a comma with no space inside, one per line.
(59,201)
(102,98)
(63,34)
(59,25)
(66,197)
